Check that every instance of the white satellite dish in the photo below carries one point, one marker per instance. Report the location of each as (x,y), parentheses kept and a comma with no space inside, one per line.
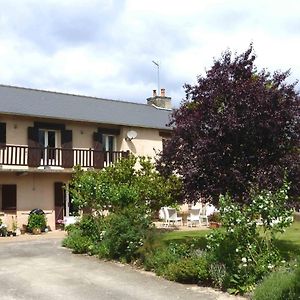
(131,134)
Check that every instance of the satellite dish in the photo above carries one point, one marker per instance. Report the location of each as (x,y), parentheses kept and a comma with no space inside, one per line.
(131,134)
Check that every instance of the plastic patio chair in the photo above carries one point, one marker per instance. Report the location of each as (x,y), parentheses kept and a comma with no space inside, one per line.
(171,217)
(194,216)
(203,214)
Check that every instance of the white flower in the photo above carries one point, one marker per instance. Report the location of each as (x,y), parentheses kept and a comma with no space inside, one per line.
(244,265)
(270,266)
(244,259)
(236,250)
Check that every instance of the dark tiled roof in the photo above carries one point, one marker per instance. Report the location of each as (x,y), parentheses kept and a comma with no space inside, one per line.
(45,104)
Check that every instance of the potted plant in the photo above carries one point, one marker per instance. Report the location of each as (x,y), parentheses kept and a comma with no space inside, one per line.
(36,223)
(3,229)
(14,227)
(214,220)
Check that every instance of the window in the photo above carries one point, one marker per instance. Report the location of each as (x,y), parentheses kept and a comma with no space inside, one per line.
(48,138)
(109,142)
(8,196)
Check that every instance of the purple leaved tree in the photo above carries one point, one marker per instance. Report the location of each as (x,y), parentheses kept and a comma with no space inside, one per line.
(237,129)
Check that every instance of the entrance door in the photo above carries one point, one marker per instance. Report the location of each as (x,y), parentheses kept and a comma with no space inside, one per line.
(59,199)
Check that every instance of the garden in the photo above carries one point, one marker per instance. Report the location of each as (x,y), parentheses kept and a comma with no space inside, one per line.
(235,144)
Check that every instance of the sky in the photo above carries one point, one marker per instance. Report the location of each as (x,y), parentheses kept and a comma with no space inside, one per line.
(105,48)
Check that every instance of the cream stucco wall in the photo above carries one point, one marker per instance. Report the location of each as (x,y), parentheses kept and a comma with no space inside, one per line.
(34,190)
(146,143)
(16,129)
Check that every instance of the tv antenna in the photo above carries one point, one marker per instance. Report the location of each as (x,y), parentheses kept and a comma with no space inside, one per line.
(157,65)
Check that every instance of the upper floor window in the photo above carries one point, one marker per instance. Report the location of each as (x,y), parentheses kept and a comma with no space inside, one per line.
(48,138)
(109,142)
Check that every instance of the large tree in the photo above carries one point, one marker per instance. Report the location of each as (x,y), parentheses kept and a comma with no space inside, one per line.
(237,129)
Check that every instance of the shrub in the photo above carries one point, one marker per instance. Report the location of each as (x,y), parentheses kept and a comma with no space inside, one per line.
(217,273)
(159,259)
(37,221)
(122,184)
(3,229)
(248,253)
(188,270)
(91,226)
(215,217)
(77,242)
(277,286)
(124,232)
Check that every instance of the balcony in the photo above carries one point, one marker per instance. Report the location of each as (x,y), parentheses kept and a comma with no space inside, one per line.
(15,155)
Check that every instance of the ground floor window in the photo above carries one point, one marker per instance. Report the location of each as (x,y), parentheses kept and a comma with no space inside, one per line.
(8,194)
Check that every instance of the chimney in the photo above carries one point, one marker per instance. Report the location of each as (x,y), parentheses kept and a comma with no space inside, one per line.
(161,100)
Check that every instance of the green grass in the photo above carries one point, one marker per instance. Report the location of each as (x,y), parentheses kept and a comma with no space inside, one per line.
(181,236)
(164,238)
(289,241)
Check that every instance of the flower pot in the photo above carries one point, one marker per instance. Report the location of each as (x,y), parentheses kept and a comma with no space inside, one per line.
(36,231)
(214,225)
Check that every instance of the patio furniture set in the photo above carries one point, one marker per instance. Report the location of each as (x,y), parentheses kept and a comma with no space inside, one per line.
(196,216)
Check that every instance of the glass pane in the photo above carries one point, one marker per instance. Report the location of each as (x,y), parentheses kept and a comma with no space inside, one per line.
(111,143)
(42,137)
(42,142)
(51,139)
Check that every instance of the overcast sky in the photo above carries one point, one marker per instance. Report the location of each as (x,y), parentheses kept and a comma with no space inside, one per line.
(105,48)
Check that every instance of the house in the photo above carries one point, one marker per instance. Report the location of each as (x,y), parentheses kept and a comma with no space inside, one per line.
(43,135)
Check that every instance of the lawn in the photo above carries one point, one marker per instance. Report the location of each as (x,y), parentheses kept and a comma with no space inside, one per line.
(287,242)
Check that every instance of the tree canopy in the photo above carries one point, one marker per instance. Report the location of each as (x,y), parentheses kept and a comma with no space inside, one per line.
(237,130)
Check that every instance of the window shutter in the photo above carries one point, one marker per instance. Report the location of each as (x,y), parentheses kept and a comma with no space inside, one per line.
(98,150)
(67,151)
(2,134)
(34,151)
(98,141)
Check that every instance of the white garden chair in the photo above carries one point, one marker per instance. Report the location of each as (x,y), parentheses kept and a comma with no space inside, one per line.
(194,217)
(198,215)
(203,214)
(171,217)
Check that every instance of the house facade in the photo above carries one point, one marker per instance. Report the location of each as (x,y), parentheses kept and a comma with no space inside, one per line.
(43,135)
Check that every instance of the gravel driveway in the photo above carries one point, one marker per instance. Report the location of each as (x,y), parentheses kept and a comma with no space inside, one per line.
(42,269)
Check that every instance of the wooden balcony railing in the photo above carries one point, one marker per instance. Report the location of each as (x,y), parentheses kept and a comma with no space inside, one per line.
(15,155)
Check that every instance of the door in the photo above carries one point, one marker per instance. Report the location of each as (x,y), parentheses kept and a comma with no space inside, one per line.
(48,140)
(109,145)
(59,200)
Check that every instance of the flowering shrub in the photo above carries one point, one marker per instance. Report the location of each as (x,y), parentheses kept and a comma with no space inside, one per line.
(246,251)
(130,195)
(124,233)
(181,262)
(123,184)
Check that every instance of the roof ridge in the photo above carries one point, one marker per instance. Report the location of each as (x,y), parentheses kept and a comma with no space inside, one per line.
(70,94)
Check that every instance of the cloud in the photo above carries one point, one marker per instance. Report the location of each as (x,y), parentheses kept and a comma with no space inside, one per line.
(105,48)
